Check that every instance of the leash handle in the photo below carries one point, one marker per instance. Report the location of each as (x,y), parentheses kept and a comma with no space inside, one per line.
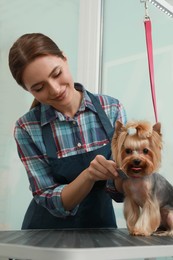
(147,24)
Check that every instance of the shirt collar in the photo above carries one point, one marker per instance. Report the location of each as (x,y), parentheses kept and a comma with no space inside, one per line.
(48,113)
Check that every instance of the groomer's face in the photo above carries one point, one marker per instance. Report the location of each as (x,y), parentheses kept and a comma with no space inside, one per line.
(49,80)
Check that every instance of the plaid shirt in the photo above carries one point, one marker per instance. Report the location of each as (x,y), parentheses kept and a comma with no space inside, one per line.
(72,136)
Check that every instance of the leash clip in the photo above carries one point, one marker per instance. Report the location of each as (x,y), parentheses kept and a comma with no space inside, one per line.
(147,17)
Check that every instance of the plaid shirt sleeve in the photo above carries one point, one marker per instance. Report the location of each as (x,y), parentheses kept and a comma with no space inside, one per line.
(110,187)
(114,109)
(45,191)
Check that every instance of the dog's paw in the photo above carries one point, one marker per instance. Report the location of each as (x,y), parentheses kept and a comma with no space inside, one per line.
(163,233)
(137,232)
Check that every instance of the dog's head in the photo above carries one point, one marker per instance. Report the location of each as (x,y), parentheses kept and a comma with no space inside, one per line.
(136,147)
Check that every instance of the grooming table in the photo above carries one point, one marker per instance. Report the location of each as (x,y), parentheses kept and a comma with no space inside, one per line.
(102,244)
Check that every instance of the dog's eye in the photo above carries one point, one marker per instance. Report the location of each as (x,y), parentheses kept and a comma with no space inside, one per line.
(145,151)
(128,151)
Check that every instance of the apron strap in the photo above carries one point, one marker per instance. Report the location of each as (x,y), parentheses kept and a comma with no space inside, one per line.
(49,141)
(102,116)
(48,136)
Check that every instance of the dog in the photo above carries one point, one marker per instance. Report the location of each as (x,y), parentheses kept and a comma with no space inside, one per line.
(148,196)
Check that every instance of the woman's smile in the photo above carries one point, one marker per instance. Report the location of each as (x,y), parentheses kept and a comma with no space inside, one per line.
(60,96)
(49,80)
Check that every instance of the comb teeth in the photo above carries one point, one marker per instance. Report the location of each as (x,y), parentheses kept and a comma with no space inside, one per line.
(122,174)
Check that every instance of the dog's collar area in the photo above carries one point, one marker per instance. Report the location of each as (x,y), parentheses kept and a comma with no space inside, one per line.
(136,177)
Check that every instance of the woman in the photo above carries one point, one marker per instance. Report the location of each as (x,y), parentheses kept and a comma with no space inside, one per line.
(64,141)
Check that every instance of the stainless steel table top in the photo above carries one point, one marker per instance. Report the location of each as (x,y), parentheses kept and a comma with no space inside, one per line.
(82,244)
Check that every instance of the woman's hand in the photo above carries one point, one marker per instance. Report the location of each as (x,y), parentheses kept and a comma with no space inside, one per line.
(101,169)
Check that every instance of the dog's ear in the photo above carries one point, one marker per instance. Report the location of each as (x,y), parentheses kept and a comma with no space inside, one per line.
(157,128)
(115,144)
(118,127)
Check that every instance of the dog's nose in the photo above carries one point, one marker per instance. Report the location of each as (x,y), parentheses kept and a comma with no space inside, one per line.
(136,161)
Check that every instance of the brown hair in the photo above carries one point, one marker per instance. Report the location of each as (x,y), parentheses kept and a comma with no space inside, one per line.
(26,49)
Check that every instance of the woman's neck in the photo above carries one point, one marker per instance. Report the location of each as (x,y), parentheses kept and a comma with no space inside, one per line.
(75,104)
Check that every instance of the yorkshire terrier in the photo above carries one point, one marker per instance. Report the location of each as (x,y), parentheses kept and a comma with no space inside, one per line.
(148,202)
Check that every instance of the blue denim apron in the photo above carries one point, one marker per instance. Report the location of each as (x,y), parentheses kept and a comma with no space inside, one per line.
(96,210)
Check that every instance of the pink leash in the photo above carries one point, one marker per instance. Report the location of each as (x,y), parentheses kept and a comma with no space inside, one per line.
(147,24)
